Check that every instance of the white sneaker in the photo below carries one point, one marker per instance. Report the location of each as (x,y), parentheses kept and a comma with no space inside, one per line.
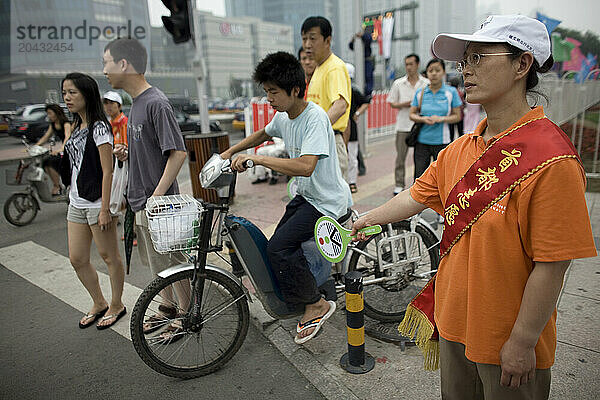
(398,189)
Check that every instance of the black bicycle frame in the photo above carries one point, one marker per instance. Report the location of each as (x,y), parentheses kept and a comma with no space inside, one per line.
(203,248)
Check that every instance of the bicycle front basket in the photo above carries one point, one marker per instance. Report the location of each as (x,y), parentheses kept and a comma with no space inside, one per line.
(173,222)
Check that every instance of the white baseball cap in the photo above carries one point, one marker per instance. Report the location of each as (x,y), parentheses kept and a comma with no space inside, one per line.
(113,96)
(523,32)
(351,70)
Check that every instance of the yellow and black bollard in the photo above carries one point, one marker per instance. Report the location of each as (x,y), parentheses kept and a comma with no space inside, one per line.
(356,360)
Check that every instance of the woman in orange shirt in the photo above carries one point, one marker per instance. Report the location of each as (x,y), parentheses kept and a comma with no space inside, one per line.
(504,191)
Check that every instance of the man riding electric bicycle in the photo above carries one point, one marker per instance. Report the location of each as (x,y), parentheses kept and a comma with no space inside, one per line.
(309,140)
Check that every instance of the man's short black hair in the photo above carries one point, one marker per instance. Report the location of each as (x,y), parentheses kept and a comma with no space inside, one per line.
(322,23)
(281,69)
(413,55)
(131,50)
(436,60)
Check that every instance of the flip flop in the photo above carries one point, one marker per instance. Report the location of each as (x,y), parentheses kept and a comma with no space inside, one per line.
(313,323)
(115,316)
(174,333)
(159,320)
(92,318)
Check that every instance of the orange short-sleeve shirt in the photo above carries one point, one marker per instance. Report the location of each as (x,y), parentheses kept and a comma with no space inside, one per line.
(119,128)
(481,281)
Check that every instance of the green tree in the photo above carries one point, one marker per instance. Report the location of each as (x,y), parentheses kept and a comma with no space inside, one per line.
(590,43)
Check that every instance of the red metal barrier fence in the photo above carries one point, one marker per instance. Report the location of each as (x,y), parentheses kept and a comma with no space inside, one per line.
(381,118)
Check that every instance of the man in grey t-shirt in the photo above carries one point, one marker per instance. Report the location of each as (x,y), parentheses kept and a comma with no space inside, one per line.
(153,134)
(156,149)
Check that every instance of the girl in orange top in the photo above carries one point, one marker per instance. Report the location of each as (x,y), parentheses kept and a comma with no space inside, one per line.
(496,290)
(112,107)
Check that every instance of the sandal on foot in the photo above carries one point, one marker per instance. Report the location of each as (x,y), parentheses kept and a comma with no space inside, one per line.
(313,323)
(107,317)
(157,321)
(173,333)
(353,188)
(91,318)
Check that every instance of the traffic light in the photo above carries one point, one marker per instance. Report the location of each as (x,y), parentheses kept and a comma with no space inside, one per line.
(178,24)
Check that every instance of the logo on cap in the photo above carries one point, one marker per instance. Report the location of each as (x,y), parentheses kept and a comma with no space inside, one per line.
(521,41)
(487,21)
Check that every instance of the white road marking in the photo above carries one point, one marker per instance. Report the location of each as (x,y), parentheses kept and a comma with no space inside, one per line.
(54,274)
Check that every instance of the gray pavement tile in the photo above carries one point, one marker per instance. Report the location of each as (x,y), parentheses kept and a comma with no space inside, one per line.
(397,374)
(578,322)
(583,278)
(575,374)
(593,202)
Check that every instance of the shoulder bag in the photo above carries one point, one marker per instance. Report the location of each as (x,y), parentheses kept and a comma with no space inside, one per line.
(413,136)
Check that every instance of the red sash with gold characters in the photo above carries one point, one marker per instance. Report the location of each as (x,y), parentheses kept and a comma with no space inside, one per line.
(514,157)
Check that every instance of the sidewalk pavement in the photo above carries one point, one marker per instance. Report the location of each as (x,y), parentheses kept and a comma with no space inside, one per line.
(398,371)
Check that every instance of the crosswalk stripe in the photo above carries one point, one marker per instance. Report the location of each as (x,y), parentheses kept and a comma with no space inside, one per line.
(54,274)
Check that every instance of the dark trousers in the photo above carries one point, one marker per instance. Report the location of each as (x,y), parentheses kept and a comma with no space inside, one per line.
(362,168)
(456,130)
(297,284)
(423,155)
(463,379)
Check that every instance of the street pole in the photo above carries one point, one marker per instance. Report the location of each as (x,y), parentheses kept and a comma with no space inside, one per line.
(359,51)
(359,76)
(199,70)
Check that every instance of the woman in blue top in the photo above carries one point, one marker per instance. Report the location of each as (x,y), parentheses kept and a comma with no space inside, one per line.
(439,108)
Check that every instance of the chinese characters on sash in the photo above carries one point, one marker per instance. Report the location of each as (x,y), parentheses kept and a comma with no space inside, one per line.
(486,179)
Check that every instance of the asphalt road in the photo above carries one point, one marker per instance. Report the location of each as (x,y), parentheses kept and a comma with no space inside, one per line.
(46,356)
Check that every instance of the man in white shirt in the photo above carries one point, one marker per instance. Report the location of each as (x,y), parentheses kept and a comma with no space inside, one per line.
(402,92)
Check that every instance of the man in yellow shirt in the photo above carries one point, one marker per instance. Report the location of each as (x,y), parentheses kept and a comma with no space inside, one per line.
(330,84)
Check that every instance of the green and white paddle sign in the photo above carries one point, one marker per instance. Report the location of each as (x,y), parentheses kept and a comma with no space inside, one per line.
(292,188)
(332,239)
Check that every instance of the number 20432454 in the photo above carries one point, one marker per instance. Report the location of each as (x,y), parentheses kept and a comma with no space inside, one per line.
(45,47)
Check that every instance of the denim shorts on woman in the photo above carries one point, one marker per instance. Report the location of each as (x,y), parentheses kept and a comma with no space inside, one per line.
(88,216)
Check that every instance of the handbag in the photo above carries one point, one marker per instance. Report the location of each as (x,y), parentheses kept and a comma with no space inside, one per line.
(65,169)
(119,187)
(413,136)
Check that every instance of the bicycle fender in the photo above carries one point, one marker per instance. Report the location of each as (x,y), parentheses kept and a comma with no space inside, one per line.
(187,266)
(428,227)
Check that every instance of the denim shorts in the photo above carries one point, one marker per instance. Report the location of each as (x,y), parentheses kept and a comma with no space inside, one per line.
(88,216)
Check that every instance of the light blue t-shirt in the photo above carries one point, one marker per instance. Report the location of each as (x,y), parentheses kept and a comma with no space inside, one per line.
(441,103)
(310,133)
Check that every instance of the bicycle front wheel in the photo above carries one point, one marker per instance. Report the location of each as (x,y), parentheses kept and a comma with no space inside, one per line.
(20,209)
(388,299)
(165,339)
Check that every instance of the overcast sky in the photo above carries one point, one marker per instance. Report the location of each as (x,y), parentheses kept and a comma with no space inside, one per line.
(575,14)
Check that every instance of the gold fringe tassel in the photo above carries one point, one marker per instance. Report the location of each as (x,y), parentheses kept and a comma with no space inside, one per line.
(415,323)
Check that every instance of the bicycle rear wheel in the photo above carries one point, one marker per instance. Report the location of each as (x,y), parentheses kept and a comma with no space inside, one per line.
(387,301)
(190,353)
(20,209)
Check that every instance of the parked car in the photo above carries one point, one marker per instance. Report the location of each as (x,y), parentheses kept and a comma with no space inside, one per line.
(189,125)
(5,118)
(238,121)
(31,121)
(184,104)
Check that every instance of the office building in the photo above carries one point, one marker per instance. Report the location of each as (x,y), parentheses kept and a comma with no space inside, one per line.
(430,18)
(233,46)
(289,12)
